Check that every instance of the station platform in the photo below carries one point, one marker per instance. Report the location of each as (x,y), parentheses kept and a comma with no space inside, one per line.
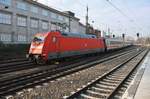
(140,86)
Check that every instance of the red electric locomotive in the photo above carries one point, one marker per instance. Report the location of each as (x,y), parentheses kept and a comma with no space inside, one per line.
(56,45)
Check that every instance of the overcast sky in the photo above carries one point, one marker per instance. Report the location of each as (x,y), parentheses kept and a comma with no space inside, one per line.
(135,16)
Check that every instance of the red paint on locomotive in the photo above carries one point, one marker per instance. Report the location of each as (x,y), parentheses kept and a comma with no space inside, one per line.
(53,45)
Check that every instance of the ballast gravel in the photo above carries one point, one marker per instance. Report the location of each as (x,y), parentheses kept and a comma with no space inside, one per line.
(64,86)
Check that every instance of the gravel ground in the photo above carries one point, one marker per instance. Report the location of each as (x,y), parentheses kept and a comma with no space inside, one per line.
(63,86)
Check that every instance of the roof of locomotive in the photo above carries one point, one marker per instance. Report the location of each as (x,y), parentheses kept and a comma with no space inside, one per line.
(68,34)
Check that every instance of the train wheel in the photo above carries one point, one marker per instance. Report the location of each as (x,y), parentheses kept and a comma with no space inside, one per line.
(40,61)
(31,59)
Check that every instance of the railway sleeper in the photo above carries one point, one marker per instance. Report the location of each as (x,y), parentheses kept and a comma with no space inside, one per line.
(125,85)
(104,87)
(84,96)
(116,77)
(117,97)
(127,82)
(119,94)
(122,89)
(111,81)
(96,94)
(100,90)
(108,83)
(131,78)
(118,74)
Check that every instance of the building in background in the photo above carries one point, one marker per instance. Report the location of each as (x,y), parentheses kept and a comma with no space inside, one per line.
(98,33)
(93,31)
(82,28)
(21,19)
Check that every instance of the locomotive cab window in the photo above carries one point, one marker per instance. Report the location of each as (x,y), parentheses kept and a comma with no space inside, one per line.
(38,39)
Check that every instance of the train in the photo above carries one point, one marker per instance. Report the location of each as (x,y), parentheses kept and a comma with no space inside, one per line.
(56,45)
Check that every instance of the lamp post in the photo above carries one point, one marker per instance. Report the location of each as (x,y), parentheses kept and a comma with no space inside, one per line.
(69,23)
(87,18)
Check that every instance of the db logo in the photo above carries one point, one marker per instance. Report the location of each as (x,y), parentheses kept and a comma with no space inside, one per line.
(54,39)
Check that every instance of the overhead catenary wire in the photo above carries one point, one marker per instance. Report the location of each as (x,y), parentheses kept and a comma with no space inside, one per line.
(135,17)
(119,10)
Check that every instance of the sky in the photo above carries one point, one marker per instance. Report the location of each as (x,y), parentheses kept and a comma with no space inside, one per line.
(133,15)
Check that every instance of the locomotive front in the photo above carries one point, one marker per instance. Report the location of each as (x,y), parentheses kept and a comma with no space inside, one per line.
(36,48)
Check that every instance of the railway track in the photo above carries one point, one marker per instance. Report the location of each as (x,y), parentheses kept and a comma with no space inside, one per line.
(107,85)
(13,65)
(10,86)
(11,56)
(16,65)
(11,60)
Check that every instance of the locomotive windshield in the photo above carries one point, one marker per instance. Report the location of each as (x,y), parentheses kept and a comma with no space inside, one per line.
(38,39)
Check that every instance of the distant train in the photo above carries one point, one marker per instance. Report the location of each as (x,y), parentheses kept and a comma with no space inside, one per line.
(56,45)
